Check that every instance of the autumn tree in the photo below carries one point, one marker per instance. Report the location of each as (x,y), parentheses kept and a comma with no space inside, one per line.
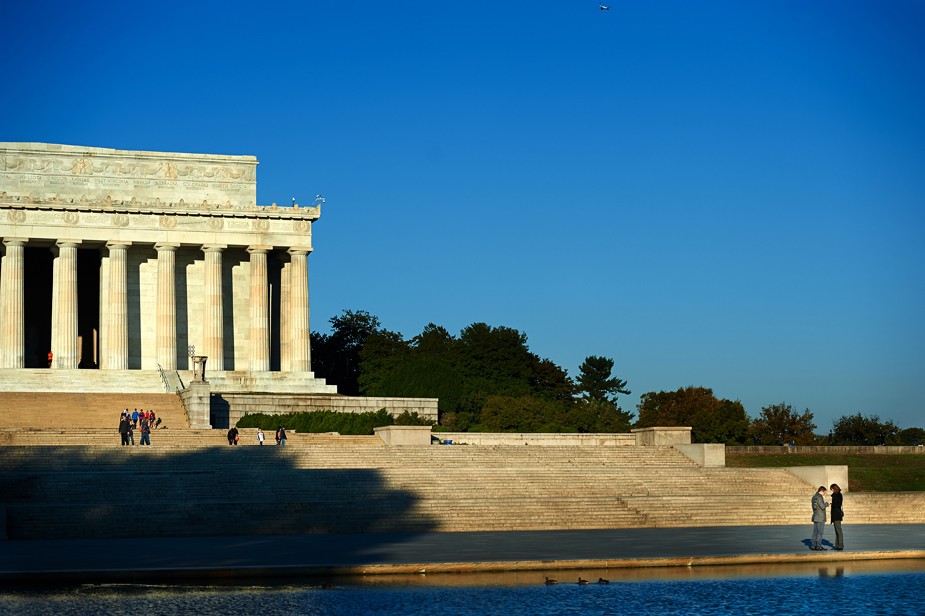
(780,423)
(712,420)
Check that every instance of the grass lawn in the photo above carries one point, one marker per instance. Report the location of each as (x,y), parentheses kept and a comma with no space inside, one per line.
(866,473)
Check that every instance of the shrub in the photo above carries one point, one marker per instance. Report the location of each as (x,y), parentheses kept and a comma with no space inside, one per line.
(322,421)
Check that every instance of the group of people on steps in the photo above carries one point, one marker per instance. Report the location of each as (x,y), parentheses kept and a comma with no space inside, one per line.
(128,423)
(280,436)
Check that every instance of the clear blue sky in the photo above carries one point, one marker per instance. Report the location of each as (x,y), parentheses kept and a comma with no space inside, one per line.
(727,194)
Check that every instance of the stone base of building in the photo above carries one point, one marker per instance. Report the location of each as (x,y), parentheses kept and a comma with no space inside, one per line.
(150,381)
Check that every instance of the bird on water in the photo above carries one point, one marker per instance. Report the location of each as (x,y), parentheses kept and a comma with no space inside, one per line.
(602,581)
(551,582)
(581,582)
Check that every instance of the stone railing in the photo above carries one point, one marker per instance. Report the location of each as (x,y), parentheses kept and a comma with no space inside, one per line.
(844,449)
(543,439)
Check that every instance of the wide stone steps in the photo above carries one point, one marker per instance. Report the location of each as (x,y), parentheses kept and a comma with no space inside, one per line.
(180,490)
(164,437)
(45,411)
(407,515)
(379,484)
(378,456)
(83,381)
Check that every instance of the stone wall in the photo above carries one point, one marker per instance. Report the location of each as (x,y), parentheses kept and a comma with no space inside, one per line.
(544,439)
(734,449)
(228,408)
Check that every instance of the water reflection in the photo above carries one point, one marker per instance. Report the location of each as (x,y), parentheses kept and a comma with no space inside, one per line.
(749,589)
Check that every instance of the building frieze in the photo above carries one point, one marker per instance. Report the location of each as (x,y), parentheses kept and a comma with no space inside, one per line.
(136,206)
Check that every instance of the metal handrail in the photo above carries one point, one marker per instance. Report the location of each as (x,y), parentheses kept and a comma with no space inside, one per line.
(164,379)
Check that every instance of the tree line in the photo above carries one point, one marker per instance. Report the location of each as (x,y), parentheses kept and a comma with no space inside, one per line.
(487,380)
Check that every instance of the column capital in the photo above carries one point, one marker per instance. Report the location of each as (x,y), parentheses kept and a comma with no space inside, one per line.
(14,241)
(257,249)
(117,244)
(161,246)
(299,250)
(213,247)
(68,243)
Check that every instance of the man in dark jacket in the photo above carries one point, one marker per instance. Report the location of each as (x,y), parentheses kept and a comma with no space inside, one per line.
(124,426)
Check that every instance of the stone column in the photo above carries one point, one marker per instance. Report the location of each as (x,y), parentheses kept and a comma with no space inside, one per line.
(12,328)
(213,341)
(64,346)
(117,330)
(166,333)
(300,357)
(259,335)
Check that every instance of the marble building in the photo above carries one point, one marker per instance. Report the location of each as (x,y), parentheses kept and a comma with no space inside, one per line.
(118,260)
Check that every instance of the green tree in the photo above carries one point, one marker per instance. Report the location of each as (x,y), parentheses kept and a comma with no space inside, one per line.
(909,437)
(860,430)
(595,381)
(598,416)
(712,420)
(336,357)
(463,373)
(780,423)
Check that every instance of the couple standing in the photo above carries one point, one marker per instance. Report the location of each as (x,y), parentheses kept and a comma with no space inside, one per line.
(819,506)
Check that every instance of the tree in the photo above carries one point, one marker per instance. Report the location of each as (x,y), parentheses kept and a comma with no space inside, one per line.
(909,437)
(598,416)
(779,423)
(711,419)
(595,381)
(336,357)
(860,430)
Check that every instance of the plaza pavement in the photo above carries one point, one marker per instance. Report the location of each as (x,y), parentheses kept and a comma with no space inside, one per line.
(151,559)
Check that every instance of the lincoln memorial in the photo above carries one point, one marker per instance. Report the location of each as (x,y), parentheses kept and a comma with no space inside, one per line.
(117,261)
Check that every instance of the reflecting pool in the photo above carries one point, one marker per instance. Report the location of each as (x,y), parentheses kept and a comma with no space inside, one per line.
(893,587)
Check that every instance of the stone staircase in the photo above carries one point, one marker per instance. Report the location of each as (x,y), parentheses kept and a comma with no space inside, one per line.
(82,381)
(192,483)
(165,437)
(67,412)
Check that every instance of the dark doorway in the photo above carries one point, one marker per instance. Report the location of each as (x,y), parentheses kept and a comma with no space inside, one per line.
(88,308)
(37,275)
(274,278)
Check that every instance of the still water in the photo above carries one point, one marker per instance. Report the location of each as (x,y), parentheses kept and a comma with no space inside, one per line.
(895,587)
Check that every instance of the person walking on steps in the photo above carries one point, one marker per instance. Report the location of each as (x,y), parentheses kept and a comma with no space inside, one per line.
(233,436)
(260,437)
(281,435)
(837,516)
(145,432)
(819,505)
(124,426)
